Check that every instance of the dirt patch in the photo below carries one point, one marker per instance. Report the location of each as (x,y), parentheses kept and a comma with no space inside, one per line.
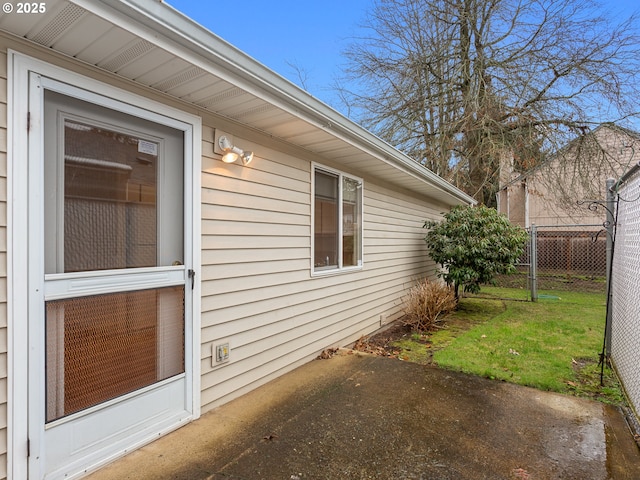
(381,343)
(397,341)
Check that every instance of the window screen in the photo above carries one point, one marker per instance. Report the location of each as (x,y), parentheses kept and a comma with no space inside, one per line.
(102,346)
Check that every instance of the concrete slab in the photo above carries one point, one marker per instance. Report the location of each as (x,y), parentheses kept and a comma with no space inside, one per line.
(357,416)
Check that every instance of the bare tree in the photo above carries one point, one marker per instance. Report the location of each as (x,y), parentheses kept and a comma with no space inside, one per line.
(461,84)
(300,72)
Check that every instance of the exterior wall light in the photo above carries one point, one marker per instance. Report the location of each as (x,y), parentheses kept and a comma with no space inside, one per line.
(232,153)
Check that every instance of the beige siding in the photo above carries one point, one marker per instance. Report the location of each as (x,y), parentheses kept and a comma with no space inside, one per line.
(546,210)
(3,264)
(257,290)
(548,205)
(513,203)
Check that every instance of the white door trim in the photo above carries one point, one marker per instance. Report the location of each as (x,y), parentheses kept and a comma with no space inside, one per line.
(19,146)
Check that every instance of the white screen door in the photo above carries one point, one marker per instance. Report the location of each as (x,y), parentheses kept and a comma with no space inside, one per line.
(109,332)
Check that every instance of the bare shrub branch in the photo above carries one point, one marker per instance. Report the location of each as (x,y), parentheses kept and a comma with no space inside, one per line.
(426,305)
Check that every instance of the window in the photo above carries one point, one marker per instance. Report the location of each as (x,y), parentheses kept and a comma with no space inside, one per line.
(337,225)
(114,189)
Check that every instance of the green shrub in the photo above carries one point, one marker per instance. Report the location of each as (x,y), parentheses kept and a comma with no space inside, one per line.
(473,244)
(427,303)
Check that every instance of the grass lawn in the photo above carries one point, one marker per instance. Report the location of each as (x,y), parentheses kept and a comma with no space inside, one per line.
(551,345)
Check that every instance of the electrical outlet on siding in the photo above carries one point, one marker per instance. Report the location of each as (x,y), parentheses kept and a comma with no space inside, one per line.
(220,353)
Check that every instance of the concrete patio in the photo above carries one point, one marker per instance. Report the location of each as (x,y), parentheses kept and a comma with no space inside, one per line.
(357,416)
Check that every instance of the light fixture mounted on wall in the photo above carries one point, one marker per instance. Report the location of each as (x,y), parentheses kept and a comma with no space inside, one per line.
(232,153)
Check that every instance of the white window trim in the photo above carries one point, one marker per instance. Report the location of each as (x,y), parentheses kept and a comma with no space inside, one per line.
(340,268)
(19,69)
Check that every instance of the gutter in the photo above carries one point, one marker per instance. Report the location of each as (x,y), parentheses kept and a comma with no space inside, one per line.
(233,65)
(614,188)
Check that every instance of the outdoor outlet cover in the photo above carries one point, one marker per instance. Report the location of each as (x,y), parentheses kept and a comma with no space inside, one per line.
(222,352)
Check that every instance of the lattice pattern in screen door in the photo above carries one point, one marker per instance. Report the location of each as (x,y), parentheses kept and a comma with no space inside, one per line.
(103,346)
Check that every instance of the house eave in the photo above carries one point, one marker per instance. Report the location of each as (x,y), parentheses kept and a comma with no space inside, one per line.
(295,116)
(269,86)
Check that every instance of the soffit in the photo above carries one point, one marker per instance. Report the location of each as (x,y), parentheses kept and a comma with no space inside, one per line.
(152,44)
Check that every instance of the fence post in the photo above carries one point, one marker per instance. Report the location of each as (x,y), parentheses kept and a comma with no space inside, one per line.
(610,229)
(533,263)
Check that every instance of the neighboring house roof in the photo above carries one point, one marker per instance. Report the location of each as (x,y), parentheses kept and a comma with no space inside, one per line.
(154,45)
(561,189)
(566,149)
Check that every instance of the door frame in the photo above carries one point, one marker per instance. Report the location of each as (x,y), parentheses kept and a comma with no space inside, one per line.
(21,144)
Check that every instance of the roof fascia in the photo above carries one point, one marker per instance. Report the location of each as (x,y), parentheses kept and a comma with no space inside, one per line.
(161,24)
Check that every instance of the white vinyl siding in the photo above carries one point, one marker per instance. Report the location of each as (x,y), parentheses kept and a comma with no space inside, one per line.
(393,235)
(3,264)
(257,290)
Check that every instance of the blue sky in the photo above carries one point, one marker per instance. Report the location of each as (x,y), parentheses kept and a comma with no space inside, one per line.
(310,34)
(279,33)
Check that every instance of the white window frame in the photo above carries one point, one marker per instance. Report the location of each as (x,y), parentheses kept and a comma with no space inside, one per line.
(340,267)
(19,69)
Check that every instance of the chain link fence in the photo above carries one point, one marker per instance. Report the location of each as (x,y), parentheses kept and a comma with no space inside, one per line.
(568,258)
(624,341)
(561,258)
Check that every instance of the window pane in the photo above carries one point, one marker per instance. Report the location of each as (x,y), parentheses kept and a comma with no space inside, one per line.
(103,346)
(326,220)
(351,222)
(110,192)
